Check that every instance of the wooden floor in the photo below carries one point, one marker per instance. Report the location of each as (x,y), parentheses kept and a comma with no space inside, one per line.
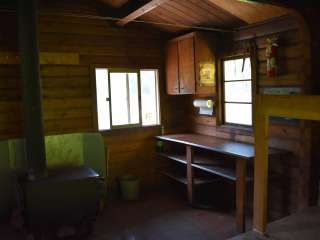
(303,225)
(159,216)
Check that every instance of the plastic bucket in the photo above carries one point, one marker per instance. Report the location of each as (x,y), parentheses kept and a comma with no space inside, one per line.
(129,187)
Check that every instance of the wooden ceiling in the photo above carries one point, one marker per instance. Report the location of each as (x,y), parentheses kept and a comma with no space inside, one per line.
(180,15)
(115,3)
(250,12)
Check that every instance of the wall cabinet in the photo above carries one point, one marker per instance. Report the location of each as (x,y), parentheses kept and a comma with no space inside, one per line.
(190,59)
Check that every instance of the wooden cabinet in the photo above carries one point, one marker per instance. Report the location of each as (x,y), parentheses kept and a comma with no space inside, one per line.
(172,69)
(186,66)
(184,57)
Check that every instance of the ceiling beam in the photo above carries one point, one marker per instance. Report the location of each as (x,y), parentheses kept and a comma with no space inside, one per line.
(145,8)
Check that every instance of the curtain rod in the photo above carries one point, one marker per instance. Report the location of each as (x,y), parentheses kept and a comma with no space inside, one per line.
(76,15)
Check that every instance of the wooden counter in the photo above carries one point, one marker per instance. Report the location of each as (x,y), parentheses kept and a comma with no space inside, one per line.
(241,153)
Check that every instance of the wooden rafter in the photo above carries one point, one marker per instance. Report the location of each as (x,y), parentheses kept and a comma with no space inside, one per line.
(140,11)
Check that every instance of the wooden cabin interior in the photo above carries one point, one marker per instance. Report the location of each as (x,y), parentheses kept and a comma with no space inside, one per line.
(159,119)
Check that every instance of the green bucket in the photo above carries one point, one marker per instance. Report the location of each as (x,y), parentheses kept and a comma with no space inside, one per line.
(129,187)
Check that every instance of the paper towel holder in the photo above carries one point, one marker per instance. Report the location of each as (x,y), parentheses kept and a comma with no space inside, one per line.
(206,106)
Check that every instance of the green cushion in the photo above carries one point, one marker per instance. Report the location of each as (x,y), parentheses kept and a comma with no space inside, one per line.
(64,150)
(94,153)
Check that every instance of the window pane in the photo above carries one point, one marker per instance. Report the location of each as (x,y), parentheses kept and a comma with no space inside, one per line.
(134,98)
(119,103)
(237,91)
(238,113)
(233,69)
(149,97)
(102,95)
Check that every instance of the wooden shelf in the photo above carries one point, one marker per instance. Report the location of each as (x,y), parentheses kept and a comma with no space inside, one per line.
(182,159)
(182,179)
(217,170)
(175,157)
(205,164)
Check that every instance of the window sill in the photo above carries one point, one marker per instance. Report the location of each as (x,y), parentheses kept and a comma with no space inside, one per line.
(131,129)
(236,129)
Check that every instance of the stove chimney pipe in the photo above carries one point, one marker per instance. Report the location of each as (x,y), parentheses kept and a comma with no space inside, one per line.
(31,85)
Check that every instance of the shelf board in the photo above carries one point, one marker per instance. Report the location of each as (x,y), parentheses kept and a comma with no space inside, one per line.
(206,164)
(183,180)
(217,170)
(176,157)
(182,158)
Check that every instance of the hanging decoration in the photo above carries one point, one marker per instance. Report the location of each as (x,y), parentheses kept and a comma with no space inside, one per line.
(272,55)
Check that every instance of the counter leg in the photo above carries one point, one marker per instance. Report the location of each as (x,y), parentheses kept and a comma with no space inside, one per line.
(190,179)
(241,191)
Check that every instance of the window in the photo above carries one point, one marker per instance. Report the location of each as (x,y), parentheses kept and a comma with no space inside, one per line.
(126,98)
(237,91)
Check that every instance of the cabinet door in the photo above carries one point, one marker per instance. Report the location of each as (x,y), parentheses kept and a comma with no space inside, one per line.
(172,68)
(186,66)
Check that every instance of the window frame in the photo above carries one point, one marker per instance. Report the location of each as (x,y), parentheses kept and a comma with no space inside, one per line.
(223,102)
(157,97)
(109,99)
(124,70)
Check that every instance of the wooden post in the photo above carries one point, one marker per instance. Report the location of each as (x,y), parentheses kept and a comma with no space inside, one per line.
(190,173)
(32,98)
(241,192)
(261,168)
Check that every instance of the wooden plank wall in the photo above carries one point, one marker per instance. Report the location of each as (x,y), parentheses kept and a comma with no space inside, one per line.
(285,174)
(67,94)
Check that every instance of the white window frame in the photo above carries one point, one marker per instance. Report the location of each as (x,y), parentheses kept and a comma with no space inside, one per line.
(126,71)
(109,99)
(223,95)
(157,97)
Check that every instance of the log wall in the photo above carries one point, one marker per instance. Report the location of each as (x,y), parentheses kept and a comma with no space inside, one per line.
(69,47)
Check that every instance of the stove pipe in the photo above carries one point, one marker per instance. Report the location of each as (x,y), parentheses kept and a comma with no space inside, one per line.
(31,86)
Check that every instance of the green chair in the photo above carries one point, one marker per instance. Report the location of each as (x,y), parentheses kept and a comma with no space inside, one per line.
(63,153)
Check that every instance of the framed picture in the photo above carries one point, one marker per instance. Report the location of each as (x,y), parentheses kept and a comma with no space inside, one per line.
(207,74)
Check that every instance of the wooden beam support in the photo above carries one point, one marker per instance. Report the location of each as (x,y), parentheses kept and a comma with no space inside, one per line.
(140,11)
(261,168)
(300,107)
(32,97)
(305,107)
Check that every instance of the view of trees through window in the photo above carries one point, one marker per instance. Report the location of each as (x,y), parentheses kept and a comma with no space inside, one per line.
(127,98)
(237,91)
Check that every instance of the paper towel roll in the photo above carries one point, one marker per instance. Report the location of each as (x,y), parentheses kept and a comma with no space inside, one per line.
(203,103)
(205,106)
